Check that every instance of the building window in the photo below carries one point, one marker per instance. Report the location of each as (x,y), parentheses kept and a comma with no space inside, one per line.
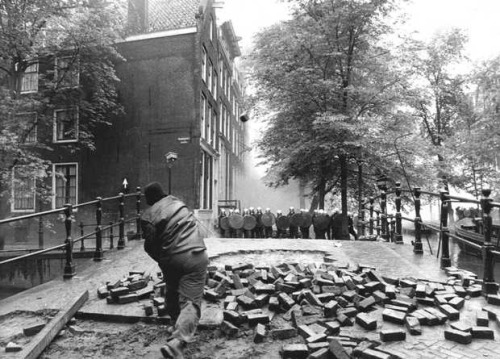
(67,72)
(208,123)
(29,82)
(209,75)
(214,128)
(66,125)
(211,29)
(203,111)
(28,121)
(206,180)
(204,64)
(215,84)
(23,190)
(65,184)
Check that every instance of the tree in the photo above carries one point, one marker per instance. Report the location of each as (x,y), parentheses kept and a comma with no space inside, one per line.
(54,55)
(331,86)
(438,92)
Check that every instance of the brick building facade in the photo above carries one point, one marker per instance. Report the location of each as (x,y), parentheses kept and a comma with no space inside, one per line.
(182,93)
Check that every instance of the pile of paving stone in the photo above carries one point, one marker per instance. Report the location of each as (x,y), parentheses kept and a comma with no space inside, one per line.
(137,286)
(313,304)
(318,301)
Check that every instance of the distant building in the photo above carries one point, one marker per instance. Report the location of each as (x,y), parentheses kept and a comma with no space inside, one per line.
(182,94)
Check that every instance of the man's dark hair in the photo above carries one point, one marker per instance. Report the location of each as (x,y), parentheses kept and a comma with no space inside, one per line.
(153,193)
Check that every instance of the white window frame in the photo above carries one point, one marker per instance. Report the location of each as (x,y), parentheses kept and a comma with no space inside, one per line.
(13,208)
(204,64)
(203,110)
(54,192)
(29,80)
(209,75)
(77,125)
(73,72)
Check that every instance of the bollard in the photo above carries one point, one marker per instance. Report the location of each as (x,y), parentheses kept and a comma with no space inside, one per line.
(489,285)
(138,209)
(82,241)
(371,215)
(69,268)
(417,249)
(445,232)
(399,227)
(98,255)
(111,245)
(121,227)
(383,210)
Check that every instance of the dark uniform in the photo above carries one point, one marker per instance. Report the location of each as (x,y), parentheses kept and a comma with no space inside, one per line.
(174,240)
(294,230)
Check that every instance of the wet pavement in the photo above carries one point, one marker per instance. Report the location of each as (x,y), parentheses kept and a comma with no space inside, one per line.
(397,261)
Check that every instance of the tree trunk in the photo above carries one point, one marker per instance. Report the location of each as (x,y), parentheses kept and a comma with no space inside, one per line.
(343,196)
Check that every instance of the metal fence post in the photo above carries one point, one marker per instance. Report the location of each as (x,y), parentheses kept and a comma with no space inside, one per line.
(40,229)
(111,245)
(69,268)
(371,215)
(98,255)
(121,227)
(445,232)
(383,209)
(399,226)
(377,222)
(489,285)
(82,233)
(138,209)
(417,248)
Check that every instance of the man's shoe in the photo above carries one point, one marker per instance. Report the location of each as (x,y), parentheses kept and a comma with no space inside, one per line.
(173,349)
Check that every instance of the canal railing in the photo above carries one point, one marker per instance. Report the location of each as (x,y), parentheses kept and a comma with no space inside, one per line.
(69,213)
(389,226)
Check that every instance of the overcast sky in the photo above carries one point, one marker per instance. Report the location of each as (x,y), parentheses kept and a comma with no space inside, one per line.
(480,19)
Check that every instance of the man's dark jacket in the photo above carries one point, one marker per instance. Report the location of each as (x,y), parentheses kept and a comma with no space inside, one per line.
(169,228)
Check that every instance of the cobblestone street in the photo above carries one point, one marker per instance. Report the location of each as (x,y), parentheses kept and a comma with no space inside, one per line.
(391,260)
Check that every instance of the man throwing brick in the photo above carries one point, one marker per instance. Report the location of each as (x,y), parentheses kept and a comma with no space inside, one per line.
(174,239)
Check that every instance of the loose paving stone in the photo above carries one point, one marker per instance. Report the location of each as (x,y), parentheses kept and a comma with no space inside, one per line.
(482,333)
(392,335)
(374,354)
(366,321)
(458,336)
(295,351)
(393,316)
(260,333)
(461,326)
(450,312)
(284,333)
(323,353)
(493,299)
(482,319)
(229,329)
(33,329)
(338,350)
(12,347)
(413,325)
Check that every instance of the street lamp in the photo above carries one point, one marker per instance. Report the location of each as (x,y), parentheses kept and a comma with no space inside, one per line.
(170,157)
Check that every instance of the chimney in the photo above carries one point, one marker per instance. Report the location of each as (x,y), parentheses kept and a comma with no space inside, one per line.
(138,16)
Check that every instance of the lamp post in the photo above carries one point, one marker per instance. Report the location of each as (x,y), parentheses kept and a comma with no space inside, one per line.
(170,157)
(382,186)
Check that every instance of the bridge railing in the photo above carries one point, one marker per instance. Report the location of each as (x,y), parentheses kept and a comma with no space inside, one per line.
(69,215)
(389,227)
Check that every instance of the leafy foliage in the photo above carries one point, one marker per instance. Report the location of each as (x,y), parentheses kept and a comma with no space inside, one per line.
(69,44)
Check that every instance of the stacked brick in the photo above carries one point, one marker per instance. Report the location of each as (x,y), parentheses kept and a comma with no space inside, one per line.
(314,304)
(137,286)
